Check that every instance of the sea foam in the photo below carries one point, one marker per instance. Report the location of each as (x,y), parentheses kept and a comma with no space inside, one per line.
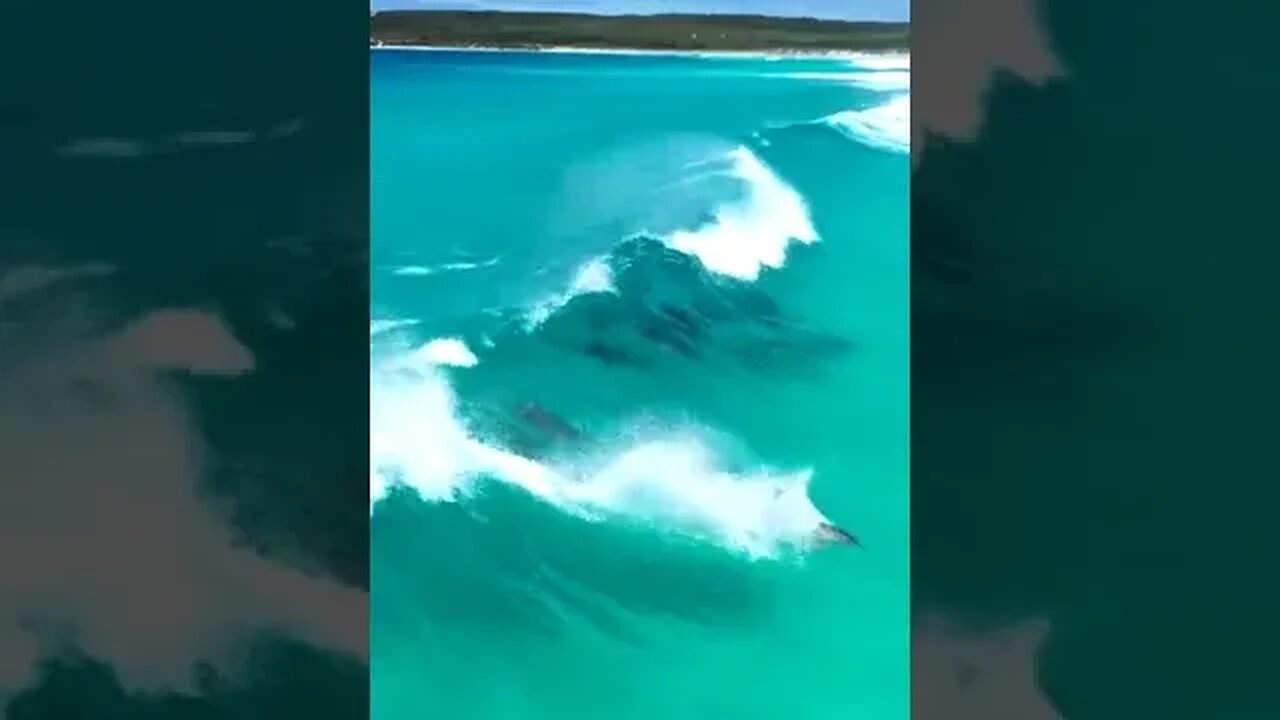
(751,232)
(594,276)
(879,61)
(884,81)
(386,325)
(886,126)
(447,352)
(425,270)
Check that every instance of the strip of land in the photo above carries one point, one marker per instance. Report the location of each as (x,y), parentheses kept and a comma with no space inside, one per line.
(713,33)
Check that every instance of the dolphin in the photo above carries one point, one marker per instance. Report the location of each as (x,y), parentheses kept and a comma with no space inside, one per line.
(828,533)
(548,421)
(610,355)
(662,334)
(686,320)
(825,533)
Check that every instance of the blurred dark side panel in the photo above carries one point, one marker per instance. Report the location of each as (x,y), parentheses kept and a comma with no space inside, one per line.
(183,374)
(1094,358)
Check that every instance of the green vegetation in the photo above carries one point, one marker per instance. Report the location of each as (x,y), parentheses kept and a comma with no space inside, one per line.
(656,32)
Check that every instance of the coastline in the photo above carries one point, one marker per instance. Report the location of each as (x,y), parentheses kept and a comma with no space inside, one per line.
(774,54)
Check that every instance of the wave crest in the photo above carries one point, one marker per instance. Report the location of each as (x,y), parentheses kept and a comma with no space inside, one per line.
(594,276)
(752,232)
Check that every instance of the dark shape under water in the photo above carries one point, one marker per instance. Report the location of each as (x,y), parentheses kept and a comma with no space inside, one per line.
(760,306)
(611,355)
(827,343)
(792,351)
(548,421)
(811,344)
(687,321)
(661,336)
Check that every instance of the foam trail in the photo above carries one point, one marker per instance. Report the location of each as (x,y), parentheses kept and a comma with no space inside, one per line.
(424,270)
(378,327)
(595,276)
(752,232)
(675,483)
(409,270)
(886,127)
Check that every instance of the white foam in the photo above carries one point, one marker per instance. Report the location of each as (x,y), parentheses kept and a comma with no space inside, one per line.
(423,270)
(594,276)
(673,483)
(679,485)
(879,61)
(447,352)
(882,81)
(414,439)
(414,270)
(752,232)
(886,126)
(378,327)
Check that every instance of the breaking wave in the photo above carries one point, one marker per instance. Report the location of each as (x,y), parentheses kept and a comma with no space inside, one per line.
(743,236)
(886,126)
(735,235)
(671,480)
(447,352)
(595,276)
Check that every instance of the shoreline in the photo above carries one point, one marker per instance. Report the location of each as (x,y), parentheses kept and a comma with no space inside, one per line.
(776,54)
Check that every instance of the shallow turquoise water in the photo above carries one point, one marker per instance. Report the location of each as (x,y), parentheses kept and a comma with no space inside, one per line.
(640,323)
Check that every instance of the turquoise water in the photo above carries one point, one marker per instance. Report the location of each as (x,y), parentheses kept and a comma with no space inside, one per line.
(640,324)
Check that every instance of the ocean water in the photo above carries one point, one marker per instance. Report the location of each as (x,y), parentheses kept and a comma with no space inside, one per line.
(640,324)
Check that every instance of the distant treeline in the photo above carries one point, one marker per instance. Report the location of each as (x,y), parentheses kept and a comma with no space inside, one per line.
(669,32)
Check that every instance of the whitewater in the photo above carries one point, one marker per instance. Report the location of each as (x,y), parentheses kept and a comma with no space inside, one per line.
(643,327)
